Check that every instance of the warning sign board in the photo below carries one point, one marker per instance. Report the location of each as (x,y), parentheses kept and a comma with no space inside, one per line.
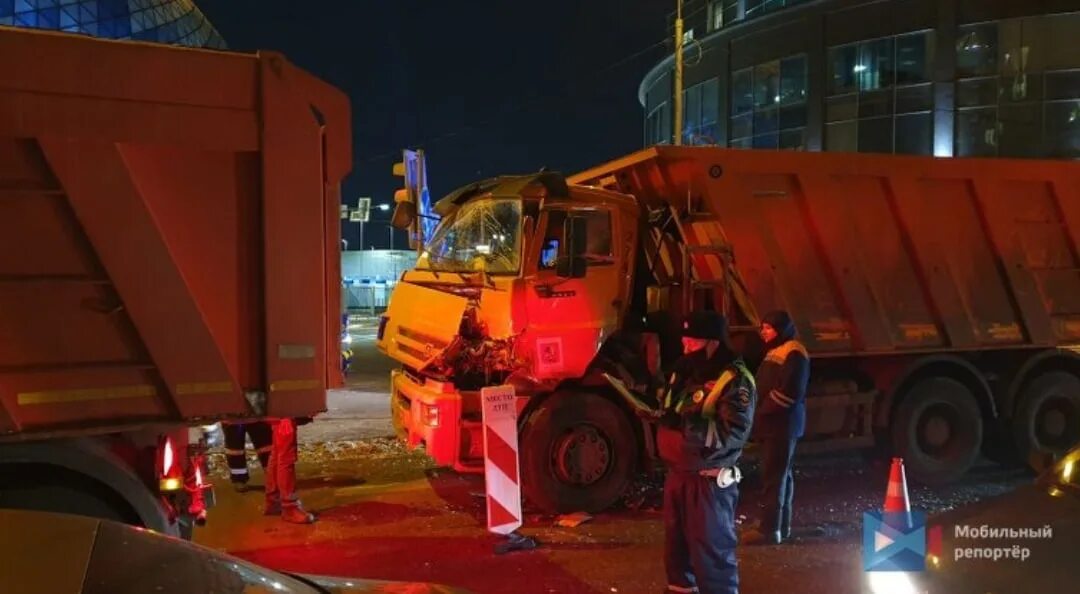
(502,477)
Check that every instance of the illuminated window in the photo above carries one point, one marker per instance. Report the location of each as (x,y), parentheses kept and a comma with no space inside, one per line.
(658,125)
(701,104)
(163,21)
(880,97)
(1019,88)
(768,105)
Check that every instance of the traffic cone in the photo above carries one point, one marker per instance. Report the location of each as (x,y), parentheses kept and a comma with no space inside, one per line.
(897,505)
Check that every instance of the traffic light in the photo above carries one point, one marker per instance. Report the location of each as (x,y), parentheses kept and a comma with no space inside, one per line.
(407,200)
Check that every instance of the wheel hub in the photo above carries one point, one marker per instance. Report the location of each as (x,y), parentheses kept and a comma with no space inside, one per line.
(582,456)
(938,431)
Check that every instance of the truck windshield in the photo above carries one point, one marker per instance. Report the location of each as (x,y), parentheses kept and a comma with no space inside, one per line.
(486,231)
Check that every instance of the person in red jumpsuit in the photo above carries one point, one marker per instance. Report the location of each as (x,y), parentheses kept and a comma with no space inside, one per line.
(281,497)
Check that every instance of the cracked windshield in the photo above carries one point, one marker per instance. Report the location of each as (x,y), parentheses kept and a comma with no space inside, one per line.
(482,235)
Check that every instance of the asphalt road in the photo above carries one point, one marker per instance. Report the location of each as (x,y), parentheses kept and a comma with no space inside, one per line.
(386,513)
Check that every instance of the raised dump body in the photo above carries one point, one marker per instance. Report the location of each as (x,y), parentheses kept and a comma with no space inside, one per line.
(953,280)
(878,254)
(168,233)
(169,236)
(939,298)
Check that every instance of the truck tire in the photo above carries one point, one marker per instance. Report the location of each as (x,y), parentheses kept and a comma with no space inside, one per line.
(938,430)
(30,489)
(1047,419)
(579,452)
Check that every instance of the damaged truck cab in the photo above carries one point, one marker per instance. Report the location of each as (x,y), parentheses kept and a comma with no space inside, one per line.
(523,282)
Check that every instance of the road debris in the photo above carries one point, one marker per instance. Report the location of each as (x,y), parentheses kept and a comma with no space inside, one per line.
(572,520)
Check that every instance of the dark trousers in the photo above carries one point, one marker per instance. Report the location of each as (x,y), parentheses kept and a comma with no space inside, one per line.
(261,439)
(778,484)
(699,534)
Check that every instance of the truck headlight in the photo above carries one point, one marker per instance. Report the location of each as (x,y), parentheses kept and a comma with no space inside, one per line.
(347,339)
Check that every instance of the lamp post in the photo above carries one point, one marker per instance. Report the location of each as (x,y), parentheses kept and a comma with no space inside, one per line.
(385,208)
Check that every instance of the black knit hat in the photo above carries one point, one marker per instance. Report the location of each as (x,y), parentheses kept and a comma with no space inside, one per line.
(781,322)
(707,325)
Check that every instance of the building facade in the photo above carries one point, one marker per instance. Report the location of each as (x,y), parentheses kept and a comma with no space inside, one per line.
(926,77)
(177,22)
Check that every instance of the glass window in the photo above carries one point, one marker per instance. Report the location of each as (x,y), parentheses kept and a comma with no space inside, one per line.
(742,126)
(914,134)
(793,139)
(1063,129)
(754,8)
(976,92)
(1021,130)
(844,107)
(874,66)
(767,84)
(876,135)
(598,250)
(976,50)
(793,80)
(872,81)
(842,69)
(742,92)
(913,58)
(914,98)
(841,137)
(768,99)
(1063,85)
(976,132)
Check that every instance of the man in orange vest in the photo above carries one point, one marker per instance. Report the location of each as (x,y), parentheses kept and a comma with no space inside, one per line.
(781,380)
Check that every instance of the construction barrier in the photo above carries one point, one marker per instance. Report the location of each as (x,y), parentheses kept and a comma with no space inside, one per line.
(502,476)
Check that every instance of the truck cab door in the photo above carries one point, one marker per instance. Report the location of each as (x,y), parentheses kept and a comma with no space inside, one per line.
(570,314)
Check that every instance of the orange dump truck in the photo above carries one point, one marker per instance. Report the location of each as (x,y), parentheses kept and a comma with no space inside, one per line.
(168,258)
(939,298)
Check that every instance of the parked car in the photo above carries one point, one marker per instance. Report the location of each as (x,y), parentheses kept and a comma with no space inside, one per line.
(47,553)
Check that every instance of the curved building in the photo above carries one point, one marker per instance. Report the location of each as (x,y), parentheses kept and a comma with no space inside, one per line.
(928,77)
(177,22)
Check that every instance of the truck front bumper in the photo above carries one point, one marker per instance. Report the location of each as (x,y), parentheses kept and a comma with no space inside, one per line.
(431,416)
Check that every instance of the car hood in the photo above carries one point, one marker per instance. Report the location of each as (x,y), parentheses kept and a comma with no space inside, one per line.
(1049,567)
(354,586)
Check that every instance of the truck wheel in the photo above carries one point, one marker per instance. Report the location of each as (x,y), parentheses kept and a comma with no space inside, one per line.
(937,430)
(1047,421)
(578,453)
(26,488)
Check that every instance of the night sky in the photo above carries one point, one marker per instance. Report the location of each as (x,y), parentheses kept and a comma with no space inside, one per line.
(486,87)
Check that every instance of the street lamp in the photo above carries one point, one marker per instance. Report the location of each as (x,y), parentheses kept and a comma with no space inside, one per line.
(384,208)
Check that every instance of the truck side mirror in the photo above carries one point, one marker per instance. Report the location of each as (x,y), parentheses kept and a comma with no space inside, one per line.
(404,215)
(576,239)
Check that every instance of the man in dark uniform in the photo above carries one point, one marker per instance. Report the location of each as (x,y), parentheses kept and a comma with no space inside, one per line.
(781,419)
(708,408)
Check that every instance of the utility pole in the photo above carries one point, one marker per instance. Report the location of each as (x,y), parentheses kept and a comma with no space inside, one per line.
(678,75)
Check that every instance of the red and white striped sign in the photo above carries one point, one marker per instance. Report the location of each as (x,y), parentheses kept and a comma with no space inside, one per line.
(502,478)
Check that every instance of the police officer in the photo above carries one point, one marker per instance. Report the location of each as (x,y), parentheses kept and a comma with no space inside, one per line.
(708,408)
(781,419)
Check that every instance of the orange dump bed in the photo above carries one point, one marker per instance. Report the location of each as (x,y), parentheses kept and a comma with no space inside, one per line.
(168,234)
(878,253)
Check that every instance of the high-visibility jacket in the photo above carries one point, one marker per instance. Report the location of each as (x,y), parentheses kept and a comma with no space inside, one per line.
(707,424)
(782,379)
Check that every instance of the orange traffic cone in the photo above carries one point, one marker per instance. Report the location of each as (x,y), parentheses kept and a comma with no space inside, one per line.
(896,495)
